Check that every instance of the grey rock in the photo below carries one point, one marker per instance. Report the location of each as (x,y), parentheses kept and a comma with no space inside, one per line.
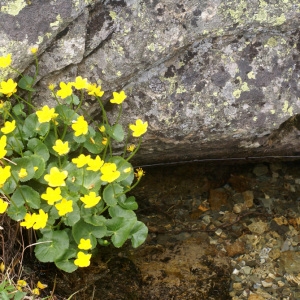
(212,78)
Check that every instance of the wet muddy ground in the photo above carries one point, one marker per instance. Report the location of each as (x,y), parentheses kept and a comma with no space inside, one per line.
(216,231)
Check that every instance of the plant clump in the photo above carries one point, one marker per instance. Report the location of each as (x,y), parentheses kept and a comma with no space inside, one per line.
(59,175)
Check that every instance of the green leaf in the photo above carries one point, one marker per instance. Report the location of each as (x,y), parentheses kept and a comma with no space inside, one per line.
(129,203)
(95,220)
(122,166)
(92,181)
(74,216)
(138,234)
(26,83)
(66,114)
(9,186)
(110,192)
(79,139)
(52,247)
(18,110)
(117,133)
(32,126)
(38,148)
(14,144)
(39,163)
(28,194)
(87,231)
(120,229)
(117,211)
(19,295)
(17,213)
(94,145)
(23,163)
(64,263)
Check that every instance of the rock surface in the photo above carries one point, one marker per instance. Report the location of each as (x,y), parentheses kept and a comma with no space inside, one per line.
(212,78)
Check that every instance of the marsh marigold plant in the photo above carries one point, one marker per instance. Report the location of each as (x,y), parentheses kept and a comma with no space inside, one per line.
(58,172)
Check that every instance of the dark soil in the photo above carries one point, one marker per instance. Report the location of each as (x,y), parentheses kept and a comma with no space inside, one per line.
(195,214)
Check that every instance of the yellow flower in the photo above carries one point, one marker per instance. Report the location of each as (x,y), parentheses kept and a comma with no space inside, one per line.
(36,291)
(8,87)
(56,178)
(64,207)
(61,147)
(104,141)
(109,172)
(139,173)
(102,128)
(2,146)
(46,114)
(85,244)
(130,148)
(5,61)
(3,206)
(37,221)
(94,90)
(4,174)
(95,164)
(52,195)
(139,128)
(80,83)
(41,285)
(51,86)
(118,97)
(80,126)
(23,173)
(65,90)
(90,200)
(34,50)
(29,220)
(9,127)
(21,283)
(40,220)
(82,260)
(81,160)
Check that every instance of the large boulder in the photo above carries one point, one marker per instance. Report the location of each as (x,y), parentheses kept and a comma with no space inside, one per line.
(212,78)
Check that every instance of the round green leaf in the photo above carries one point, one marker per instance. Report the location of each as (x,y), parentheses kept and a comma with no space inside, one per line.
(14,144)
(64,263)
(38,148)
(32,126)
(17,213)
(94,145)
(122,166)
(26,193)
(138,234)
(52,247)
(117,211)
(110,192)
(120,229)
(87,231)
(23,163)
(26,83)
(117,133)
(129,203)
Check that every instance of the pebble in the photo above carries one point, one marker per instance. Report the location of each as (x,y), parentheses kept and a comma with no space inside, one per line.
(260,170)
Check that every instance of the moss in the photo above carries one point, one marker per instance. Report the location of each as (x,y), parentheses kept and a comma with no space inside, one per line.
(113,15)
(13,7)
(151,47)
(251,75)
(237,93)
(57,22)
(272,42)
